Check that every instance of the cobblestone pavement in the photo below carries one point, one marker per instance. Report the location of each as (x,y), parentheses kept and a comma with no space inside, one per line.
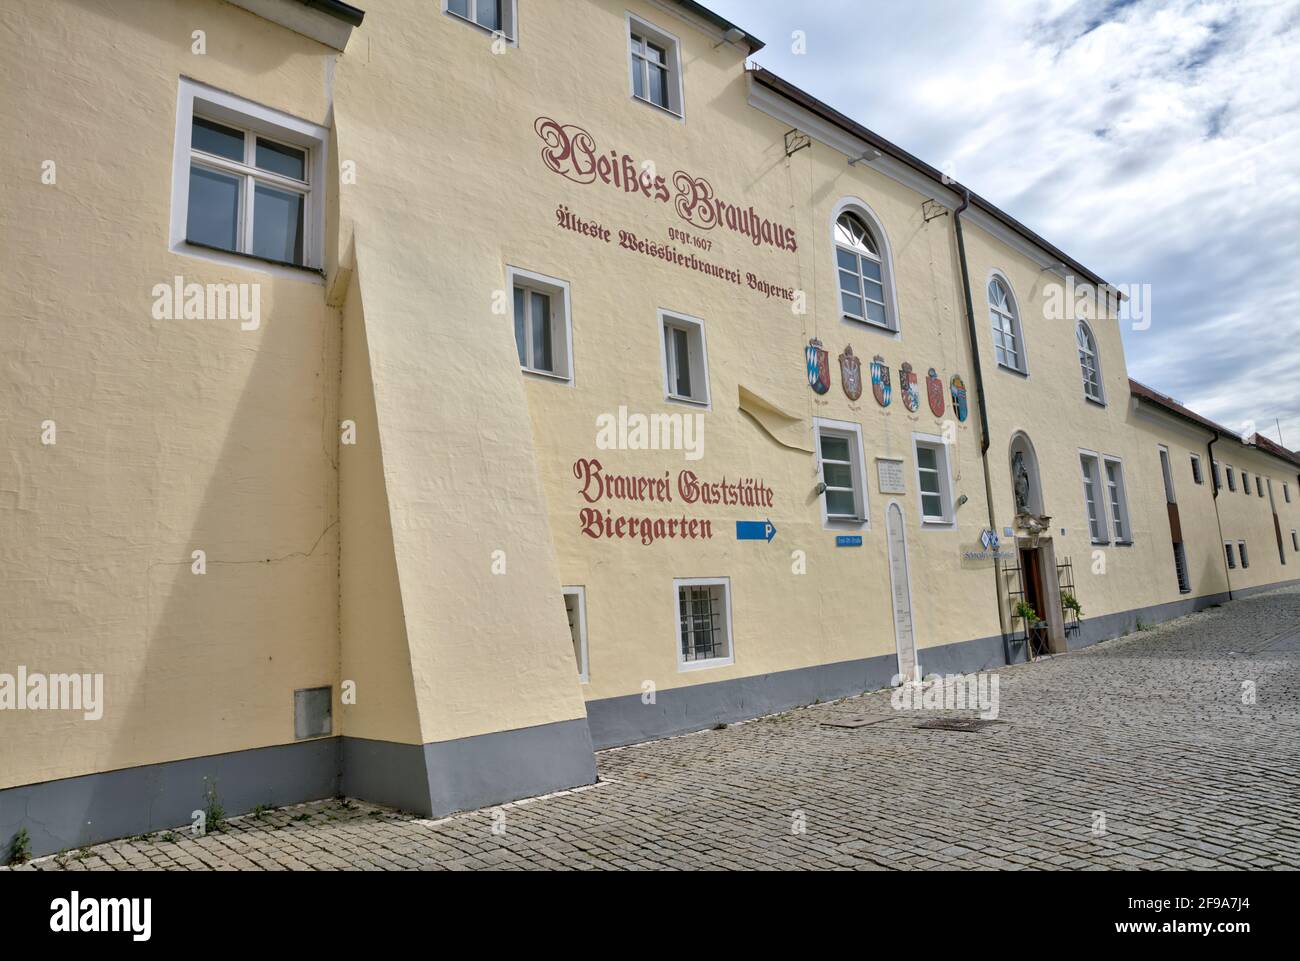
(1149,730)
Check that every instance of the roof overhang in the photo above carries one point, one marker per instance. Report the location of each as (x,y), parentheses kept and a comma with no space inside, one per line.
(326,21)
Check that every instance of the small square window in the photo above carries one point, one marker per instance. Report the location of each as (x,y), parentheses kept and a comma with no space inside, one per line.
(494,16)
(703,610)
(933,479)
(1196,470)
(246,180)
(543,324)
(654,59)
(685,357)
(575,607)
(840,466)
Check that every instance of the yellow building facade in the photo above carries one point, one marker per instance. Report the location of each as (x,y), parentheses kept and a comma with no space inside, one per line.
(407,403)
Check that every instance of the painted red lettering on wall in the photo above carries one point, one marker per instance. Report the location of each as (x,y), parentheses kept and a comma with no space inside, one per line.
(571,152)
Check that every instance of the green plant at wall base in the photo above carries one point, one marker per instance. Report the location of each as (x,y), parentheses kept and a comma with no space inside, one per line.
(20,848)
(214,815)
(1071,603)
(1024,611)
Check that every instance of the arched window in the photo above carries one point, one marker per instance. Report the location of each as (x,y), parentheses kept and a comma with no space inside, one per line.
(1089,364)
(863,272)
(1008,345)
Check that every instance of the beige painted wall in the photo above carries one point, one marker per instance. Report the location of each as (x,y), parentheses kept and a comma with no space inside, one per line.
(172,435)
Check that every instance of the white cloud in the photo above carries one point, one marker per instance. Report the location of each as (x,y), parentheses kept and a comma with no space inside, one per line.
(1157,141)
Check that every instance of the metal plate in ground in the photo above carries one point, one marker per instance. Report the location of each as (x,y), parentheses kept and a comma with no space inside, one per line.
(856,722)
(964,724)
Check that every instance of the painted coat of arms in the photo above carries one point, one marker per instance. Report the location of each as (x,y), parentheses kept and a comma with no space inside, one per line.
(907,387)
(959,397)
(819,366)
(851,374)
(880,381)
(934,391)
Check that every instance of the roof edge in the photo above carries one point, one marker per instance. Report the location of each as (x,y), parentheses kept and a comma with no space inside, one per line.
(1167,403)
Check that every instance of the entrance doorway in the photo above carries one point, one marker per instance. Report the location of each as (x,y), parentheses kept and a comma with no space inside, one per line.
(1035,634)
(1042,591)
(900,583)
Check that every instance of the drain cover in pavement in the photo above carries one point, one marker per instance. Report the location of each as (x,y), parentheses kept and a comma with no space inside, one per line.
(968,724)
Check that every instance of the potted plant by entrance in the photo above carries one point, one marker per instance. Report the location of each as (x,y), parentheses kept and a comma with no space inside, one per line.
(1072,610)
(1035,627)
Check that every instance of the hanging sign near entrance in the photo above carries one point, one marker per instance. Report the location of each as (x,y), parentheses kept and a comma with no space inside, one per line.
(907,387)
(986,552)
(819,366)
(934,391)
(889,474)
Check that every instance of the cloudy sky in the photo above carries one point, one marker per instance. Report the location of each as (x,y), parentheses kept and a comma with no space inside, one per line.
(1156,141)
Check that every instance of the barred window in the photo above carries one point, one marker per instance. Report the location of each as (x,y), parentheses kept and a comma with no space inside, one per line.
(703,623)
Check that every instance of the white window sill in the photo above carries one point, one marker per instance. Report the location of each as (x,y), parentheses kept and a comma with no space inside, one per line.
(482,29)
(691,401)
(546,375)
(1095,401)
(870,323)
(650,103)
(938,524)
(1012,370)
(684,666)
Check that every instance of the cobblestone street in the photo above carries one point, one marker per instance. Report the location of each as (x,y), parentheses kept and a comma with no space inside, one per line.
(1149,732)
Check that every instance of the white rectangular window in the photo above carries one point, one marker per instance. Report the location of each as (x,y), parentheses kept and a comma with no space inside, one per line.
(655,64)
(686,359)
(1286,492)
(1259,486)
(933,479)
(1196,470)
(1241,550)
(1218,476)
(543,323)
(575,608)
(1092,497)
(1118,501)
(1245,483)
(246,180)
(494,16)
(840,466)
(1167,473)
(702,607)
(1232,479)
(1231,555)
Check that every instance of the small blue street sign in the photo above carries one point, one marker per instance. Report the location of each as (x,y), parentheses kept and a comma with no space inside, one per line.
(848,540)
(755,531)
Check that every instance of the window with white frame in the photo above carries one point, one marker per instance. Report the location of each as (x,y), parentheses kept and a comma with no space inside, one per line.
(495,16)
(247,180)
(1231,556)
(1245,483)
(1088,464)
(862,272)
(1117,498)
(1197,477)
(575,608)
(933,479)
(656,66)
(840,465)
(1295,542)
(1232,479)
(1089,365)
(703,610)
(1286,492)
(1259,486)
(686,359)
(1008,346)
(543,323)
(1241,551)
(1218,476)
(1167,474)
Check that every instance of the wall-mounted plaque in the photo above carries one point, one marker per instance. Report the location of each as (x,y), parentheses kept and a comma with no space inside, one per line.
(889,473)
